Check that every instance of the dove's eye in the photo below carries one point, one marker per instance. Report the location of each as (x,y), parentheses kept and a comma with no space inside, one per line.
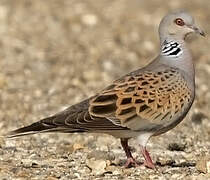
(179,22)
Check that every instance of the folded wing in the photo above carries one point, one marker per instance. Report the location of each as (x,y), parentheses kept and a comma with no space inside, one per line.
(137,101)
(144,97)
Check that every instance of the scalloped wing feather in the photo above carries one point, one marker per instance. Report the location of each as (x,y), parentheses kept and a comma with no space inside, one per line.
(154,97)
(141,101)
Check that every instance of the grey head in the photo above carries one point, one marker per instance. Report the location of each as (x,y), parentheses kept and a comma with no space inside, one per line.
(173,29)
(177,25)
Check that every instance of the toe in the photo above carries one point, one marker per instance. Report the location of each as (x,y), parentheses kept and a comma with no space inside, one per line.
(131,162)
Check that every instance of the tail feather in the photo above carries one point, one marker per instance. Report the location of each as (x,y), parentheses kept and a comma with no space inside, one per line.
(55,123)
(45,125)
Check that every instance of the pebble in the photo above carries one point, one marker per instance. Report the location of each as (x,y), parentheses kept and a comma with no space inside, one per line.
(149,46)
(101,155)
(3,81)
(114,170)
(51,178)
(97,166)
(176,147)
(89,19)
(198,117)
(203,165)
(2,142)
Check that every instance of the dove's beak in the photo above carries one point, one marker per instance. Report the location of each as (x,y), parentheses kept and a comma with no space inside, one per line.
(198,31)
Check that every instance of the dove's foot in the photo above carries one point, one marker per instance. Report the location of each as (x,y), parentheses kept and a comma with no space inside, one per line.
(148,161)
(131,162)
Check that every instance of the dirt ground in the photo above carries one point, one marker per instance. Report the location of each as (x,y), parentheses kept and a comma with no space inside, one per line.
(54,53)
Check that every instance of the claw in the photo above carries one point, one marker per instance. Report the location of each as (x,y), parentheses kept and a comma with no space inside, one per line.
(149,165)
(131,162)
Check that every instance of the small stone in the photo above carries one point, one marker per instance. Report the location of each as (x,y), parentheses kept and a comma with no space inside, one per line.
(3,81)
(200,177)
(208,166)
(3,12)
(35,165)
(52,178)
(89,19)
(101,155)
(38,93)
(77,146)
(176,147)
(77,175)
(2,142)
(108,65)
(23,174)
(165,162)
(114,170)
(198,117)
(203,165)
(117,172)
(26,162)
(148,45)
(177,176)
(97,166)
(72,148)
(127,171)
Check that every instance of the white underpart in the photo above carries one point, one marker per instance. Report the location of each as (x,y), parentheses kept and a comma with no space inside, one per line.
(143,138)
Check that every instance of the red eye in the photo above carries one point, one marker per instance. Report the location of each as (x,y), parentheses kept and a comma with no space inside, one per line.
(179,22)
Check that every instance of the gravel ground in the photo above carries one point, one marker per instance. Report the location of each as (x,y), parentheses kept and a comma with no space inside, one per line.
(54,53)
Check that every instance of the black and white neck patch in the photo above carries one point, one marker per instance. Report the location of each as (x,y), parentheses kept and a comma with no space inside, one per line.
(171,49)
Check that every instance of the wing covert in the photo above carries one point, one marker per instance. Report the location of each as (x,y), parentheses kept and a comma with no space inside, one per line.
(151,96)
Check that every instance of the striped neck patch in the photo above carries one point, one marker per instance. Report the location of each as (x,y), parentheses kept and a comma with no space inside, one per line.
(171,49)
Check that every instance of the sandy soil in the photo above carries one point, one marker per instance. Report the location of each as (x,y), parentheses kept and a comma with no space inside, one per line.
(54,53)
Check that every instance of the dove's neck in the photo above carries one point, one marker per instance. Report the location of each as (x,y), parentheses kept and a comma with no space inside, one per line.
(171,48)
(174,52)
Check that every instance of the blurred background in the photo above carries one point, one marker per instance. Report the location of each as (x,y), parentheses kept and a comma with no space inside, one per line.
(54,53)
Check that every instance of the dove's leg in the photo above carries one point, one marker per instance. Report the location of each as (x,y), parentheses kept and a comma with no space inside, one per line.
(130,160)
(148,161)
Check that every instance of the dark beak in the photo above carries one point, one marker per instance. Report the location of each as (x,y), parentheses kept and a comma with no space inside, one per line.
(198,31)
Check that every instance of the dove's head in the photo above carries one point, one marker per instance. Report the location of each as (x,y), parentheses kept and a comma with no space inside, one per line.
(178,25)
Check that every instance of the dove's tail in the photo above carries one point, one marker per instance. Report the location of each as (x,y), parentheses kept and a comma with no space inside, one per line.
(42,126)
(37,127)
(65,121)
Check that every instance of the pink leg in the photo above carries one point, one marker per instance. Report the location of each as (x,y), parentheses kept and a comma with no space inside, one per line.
(148,161)
(130,160)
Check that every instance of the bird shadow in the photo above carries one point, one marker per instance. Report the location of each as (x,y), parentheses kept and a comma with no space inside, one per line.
(172,163)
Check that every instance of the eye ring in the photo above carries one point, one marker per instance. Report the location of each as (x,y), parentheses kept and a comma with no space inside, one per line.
(179,22)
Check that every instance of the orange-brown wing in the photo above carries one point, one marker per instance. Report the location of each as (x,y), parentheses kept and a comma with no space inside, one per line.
(147,96)
(144,101)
